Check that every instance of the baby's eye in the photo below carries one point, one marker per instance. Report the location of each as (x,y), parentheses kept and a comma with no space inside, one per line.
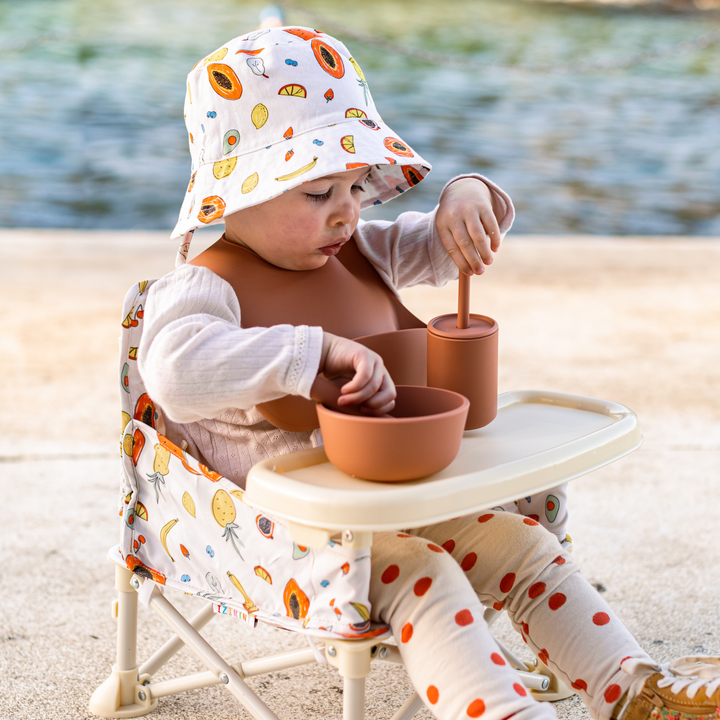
(319,198)
(357,188)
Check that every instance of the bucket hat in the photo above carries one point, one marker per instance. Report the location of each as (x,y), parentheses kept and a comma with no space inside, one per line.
(278,107)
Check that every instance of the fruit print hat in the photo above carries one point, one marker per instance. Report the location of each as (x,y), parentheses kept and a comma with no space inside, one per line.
(276,108)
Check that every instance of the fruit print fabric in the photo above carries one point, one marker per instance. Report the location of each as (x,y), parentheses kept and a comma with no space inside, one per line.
(187,527)
(278,105)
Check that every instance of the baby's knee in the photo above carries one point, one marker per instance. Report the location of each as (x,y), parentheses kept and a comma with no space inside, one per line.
(409,573)
(525,538)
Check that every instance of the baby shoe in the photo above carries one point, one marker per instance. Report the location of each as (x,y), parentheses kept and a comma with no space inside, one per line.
(671,693)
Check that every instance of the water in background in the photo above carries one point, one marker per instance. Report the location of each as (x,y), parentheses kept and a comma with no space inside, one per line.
(91,95)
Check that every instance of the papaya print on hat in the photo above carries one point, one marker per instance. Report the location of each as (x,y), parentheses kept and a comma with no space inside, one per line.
(279,107)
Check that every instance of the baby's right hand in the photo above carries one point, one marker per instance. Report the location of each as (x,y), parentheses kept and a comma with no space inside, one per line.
(371,385)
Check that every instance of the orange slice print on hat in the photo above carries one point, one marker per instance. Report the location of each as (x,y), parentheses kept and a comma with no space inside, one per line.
(329,59)
(394,145)
(224,81)
(302,33)
(212,208)
(352,166)
(355,113)
(293,91)
(411,175)
(348,143)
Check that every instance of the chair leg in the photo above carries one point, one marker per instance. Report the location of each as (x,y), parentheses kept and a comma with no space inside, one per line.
(122,695)
(353,698)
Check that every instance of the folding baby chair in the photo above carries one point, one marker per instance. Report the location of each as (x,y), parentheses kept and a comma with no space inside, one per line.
(293,549)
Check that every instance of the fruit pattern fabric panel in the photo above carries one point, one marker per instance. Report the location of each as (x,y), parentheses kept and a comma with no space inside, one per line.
(187,527)
(278,107)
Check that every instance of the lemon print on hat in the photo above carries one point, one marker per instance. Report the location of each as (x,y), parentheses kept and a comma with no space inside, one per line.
(355,113)
(259,115)
(348,143)
(293,91)
(230,141)
(211,209)
(329,59)
(222,168)
(249,184)
(224,81)
(217,56)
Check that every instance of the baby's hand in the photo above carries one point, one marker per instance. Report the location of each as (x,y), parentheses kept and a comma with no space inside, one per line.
(467,225)
(371,385)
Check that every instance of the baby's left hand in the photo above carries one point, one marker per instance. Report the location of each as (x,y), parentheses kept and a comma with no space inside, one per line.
(467,225)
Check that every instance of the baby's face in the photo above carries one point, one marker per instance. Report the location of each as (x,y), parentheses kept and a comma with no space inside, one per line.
(302,228)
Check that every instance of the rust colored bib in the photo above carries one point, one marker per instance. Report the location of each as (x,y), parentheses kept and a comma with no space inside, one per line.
(345,297)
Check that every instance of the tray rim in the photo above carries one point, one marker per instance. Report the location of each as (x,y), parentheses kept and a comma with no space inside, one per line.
(334,509)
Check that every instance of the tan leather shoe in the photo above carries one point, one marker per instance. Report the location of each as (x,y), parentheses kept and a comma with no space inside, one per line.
(672,695)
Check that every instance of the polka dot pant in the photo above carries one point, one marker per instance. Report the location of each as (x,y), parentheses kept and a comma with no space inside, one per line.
(429,586)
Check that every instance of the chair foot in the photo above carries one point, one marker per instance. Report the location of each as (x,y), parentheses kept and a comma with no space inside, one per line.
(122,695)
(557,689)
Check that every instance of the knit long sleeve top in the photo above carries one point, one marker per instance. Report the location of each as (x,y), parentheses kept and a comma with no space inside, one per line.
(207,373)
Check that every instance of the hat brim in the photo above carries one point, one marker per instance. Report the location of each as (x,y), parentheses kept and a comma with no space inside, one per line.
(223,187)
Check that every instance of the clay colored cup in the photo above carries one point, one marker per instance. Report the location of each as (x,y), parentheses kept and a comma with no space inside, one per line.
(421,438)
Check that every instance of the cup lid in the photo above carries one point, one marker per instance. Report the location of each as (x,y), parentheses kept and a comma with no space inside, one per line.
(479,326)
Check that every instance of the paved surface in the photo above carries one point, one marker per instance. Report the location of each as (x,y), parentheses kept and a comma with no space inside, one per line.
(632,320)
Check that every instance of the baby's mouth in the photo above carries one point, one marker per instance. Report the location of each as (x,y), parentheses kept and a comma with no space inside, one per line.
(333,249)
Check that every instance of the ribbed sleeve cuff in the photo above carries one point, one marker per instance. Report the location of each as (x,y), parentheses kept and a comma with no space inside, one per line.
(308,351)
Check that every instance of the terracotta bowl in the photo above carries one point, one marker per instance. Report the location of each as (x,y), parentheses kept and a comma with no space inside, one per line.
(422,438)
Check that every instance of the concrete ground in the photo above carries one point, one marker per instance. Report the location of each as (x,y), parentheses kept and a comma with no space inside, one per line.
(628,319)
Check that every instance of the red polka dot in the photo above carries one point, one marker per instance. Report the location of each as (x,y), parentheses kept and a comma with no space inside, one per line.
(543,655)
(497,659)
(464,617)
(612,694)
(536,518)
(485,518)
(432,694)
(559,560)
(528,521)
(403,535)
(468,562)
(449,545)
(499,605)
(476,708)
(507,582)
(391,574)
(579,684)
(524,639)
(550,505)
(435,548)
(556,601)
(422,586)
(537,589)
(406,633)
(520,689)
(601,618)
(526,628)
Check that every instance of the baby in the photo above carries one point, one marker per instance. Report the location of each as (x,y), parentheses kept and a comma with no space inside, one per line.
(287,148)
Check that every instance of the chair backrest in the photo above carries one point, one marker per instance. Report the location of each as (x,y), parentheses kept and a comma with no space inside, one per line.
(134,400)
